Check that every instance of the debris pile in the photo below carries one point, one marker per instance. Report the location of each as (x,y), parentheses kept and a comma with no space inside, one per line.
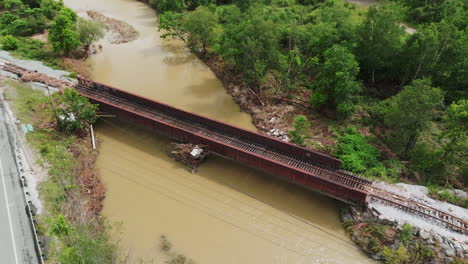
(189,154)
(118,31)
(32,76)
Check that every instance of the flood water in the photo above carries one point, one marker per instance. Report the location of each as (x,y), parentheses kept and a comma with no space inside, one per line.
(224,213)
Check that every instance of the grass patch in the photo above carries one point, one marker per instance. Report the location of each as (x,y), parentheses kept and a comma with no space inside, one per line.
(23,99)
(357,12)
(33,49)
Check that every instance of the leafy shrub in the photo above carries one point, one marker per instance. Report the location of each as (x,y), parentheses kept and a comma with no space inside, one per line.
(422,253)
(396,256)
(317,99)
(10,43)
(299,134)
(374,245)
(377,231)
(356,153)
(59,226)
(76,112)
(73,75)
(34,49)
(406,234)
(23,21)
(169,5)
(448,196)
(427,162)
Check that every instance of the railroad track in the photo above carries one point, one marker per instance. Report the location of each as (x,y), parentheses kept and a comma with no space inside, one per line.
(424,211)
(341,177)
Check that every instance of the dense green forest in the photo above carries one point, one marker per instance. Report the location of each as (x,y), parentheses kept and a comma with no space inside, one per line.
(68,35)
(361,68)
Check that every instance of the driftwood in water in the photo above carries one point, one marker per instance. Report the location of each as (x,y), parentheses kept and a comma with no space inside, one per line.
(189,154)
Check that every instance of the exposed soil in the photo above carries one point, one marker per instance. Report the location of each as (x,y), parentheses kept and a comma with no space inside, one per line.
(91,188)
(118,31)
(76,65)
(32,76)
(90,185)
(43,37)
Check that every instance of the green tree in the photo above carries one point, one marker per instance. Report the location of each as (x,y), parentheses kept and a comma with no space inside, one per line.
(301,126)
(380,42)
(340,17)
(12,4)
(172,25)
(32,3)
(456,135)
(356,153)
(427,11)
(89,31)
(202,25)
(252,45)
(74,111)
(453,76)
(244,4)
(169,5)
(426,160)
(62,33)
(193,4)
(51,8)
(9,43)
(406,234)
(428,51)
(336,81)
(411,111)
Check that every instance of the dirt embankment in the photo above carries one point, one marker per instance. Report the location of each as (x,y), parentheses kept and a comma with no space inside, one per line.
(90,185)
(118,31)
(34,76)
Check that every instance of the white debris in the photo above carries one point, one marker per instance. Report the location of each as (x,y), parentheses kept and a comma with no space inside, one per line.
(279,134)
(196,152)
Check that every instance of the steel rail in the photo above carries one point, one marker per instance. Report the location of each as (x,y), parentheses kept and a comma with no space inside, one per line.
(447,220)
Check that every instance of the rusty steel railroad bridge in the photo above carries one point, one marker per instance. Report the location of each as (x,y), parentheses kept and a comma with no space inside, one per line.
(310,169)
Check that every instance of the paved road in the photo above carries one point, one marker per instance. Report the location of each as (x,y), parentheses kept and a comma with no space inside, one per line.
(16,237)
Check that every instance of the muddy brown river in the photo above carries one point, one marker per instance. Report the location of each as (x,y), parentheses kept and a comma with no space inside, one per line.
(224,213)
